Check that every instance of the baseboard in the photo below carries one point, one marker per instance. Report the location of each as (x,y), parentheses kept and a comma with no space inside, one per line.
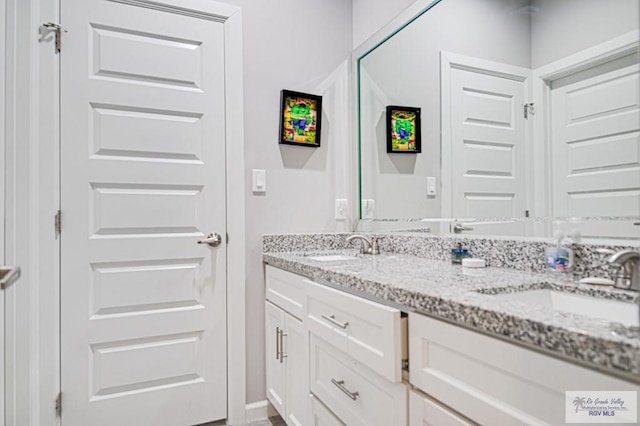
(259,410)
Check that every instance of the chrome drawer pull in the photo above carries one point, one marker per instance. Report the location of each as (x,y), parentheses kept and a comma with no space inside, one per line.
(332,320)
(340,385)
(277,342)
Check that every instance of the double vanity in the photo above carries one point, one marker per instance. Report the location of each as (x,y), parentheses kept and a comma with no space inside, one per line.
(407,338)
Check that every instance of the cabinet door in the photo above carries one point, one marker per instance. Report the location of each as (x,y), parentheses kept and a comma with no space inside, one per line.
(274,326)
(296,362)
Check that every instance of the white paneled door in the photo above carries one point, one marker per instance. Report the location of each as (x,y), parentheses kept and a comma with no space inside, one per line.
(487,145)
(142,180)
(484,129)
(595,140)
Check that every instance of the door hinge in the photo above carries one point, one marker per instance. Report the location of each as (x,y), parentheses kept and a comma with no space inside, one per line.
(529,109)
(58,223)
(59,405)
(227,238)
(57,30)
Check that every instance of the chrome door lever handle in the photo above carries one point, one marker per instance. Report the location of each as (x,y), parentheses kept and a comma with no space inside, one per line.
(213,240)
(8,275)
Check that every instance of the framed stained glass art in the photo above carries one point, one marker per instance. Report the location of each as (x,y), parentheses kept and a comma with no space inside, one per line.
(403,130)
(300,118)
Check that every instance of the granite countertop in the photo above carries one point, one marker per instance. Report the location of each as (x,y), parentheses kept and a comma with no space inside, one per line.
(465,296)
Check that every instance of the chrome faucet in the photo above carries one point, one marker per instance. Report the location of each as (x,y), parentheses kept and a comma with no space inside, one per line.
(626,264)
(367,246)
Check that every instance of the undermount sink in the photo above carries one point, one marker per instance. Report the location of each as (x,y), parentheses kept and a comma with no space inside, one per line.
(612,310)
(331,257)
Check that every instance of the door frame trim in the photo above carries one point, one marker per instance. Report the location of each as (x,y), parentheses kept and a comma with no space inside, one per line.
(542,78)
(32,197)
(236,251)
(3,101)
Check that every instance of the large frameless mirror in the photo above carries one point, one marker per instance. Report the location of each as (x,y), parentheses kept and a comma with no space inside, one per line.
(529,114)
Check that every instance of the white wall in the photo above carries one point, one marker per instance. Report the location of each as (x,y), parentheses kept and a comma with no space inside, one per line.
(562,28)
(405,71)
(301,45)
(371,15)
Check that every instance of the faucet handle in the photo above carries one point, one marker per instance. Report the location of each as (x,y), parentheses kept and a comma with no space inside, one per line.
(375,245)
(605,262)
(605,251)
(626,265)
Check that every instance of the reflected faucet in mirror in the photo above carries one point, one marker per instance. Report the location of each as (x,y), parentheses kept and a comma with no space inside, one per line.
(458,227)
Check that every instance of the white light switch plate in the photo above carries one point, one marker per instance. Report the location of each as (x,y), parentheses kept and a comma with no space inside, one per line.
(432,190)
(259,181)
(341,209)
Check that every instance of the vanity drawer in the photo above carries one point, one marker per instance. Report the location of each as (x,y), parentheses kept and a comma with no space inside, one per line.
(494,382)
(357,395)
(322,416)
(367,331)
(286,289)
(426,411)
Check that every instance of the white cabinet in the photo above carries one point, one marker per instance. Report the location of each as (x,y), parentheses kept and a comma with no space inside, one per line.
(357,395)
(356,357)
(274,323)
(295,350)
(287,365)
(365,330)
(494,382)
(286,290)
(322,416)
(287,350)
(425,411)
(335,359)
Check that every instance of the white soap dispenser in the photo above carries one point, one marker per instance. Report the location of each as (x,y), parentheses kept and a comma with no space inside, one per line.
(559,257)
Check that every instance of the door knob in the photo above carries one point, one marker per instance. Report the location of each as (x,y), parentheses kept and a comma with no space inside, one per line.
(213,240)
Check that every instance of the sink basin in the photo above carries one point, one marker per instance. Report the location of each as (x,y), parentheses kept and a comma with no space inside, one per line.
(331,257)
(612,310)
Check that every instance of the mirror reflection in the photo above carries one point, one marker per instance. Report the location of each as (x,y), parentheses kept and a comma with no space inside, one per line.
(529,108)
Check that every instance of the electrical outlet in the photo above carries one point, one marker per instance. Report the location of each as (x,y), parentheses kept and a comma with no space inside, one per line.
(341,209)
(368,208)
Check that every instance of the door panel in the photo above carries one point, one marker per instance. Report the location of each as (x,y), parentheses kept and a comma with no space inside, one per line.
(143,178)
(595,141)
(487,144)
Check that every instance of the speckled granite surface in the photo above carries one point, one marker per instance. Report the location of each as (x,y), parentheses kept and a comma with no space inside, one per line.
(522,254)
(438,288)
